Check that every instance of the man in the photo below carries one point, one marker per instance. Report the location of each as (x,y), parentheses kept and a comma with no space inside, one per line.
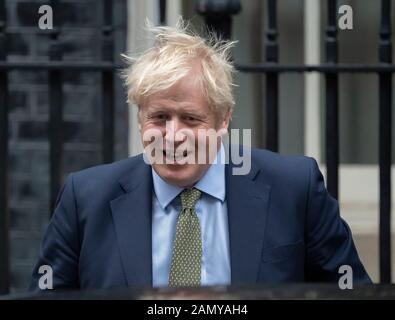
(166,219)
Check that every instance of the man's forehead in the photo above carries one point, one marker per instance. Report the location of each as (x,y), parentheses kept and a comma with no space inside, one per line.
(179,107)
(173,95)
(177,98)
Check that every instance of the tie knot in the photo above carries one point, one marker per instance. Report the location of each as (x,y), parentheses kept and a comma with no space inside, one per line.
(189,197)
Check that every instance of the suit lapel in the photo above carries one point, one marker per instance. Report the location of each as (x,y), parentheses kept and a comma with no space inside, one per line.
(247,202)
(132,220)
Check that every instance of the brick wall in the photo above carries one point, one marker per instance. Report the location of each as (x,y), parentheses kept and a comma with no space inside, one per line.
(29,109)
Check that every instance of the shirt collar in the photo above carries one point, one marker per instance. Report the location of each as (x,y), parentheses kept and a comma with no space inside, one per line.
(212,183)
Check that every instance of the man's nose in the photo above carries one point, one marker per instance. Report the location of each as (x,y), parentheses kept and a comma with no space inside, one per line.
(173,132)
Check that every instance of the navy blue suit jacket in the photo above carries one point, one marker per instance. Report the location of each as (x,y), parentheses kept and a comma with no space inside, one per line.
(283,226)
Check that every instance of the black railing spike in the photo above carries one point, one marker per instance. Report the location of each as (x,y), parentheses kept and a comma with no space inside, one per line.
(107,84)
(332,97)
(271,102)
(55,110)
(4,193)
(385,142)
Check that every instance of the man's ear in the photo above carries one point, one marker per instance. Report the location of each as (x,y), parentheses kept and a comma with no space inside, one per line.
(224,124)
(139,118)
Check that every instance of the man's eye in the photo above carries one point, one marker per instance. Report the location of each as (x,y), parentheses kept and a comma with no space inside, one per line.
(189,118)
(160,117)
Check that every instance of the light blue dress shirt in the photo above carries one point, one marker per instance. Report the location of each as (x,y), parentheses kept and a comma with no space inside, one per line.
(213,216)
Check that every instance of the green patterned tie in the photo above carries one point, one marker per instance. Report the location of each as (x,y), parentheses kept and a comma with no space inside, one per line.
(187,246)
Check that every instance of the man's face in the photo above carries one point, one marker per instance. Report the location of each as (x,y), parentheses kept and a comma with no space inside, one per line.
(178,115)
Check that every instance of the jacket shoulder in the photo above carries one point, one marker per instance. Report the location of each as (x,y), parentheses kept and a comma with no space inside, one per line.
(105,177)
(278,166)
(113,169)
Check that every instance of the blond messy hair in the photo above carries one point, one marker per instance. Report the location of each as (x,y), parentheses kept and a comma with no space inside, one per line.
(170,59)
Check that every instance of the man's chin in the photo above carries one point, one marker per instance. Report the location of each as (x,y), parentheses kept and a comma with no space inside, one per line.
(181,175)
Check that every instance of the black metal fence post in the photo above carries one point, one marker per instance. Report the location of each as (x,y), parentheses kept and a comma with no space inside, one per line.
(56,111)
(272,78)
(107,86)
(4,213)
(385,104)
(218,15)
(162,12)
(332,121)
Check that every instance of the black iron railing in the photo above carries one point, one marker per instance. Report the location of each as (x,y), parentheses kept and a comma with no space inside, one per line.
(385,104)
(55,67)
(331,70)
(4,217)
(220,21)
